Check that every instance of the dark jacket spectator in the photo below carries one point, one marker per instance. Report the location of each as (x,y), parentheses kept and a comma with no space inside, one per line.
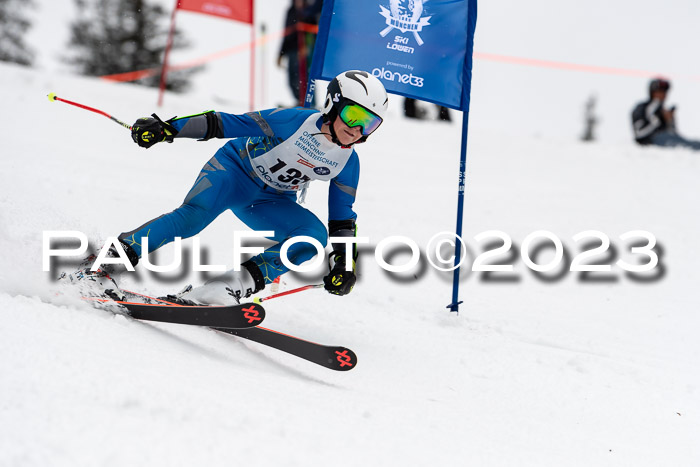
(298,40)
(654,124)
(648,120)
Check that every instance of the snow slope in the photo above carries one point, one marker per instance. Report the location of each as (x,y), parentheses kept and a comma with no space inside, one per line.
(532,371)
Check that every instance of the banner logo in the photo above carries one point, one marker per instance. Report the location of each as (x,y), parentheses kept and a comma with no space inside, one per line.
(405,15)
(402,78)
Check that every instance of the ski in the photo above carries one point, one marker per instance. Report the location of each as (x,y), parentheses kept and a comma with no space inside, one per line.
(228,320)
(245,315)
(147,308)
(333,357)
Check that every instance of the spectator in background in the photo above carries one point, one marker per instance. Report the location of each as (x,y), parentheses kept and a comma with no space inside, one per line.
(653,124)
(298,44)
(411,110)
(590,119)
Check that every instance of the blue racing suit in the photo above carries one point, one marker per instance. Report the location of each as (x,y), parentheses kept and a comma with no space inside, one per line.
(257,175)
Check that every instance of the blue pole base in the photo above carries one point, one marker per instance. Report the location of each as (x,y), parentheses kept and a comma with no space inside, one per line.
(454,306)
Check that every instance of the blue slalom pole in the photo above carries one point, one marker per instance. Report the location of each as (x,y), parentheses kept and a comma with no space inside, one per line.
(454,306)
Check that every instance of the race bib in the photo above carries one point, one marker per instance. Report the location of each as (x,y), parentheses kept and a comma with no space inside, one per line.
(306,155)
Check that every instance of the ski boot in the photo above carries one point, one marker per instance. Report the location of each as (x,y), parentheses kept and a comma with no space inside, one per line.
(224,290)
(99,283)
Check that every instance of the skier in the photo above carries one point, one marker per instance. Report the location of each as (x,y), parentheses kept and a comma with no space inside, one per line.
(655,125)
(274,155)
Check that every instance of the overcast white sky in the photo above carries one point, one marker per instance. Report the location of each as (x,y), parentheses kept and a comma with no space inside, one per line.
(646,35)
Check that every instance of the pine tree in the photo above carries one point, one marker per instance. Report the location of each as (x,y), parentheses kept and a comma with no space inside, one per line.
(13,25)
(119,36)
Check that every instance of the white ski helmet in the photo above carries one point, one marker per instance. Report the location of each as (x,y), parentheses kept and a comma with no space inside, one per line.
(356,87)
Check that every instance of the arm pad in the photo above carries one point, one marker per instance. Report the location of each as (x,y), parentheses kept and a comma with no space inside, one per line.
(204,126)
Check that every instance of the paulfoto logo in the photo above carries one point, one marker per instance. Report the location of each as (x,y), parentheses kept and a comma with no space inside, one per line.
(405,15)
(637,254)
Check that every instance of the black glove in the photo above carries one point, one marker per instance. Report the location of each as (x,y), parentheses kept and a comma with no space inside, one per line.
(339,281)
(148,131)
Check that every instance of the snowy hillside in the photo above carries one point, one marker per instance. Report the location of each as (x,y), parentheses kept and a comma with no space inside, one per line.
(548,370)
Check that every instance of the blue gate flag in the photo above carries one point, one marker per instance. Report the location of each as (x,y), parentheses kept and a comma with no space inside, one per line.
(418,48)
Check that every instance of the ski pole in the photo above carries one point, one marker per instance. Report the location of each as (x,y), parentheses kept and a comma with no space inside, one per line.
(287,292)
(53,97)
